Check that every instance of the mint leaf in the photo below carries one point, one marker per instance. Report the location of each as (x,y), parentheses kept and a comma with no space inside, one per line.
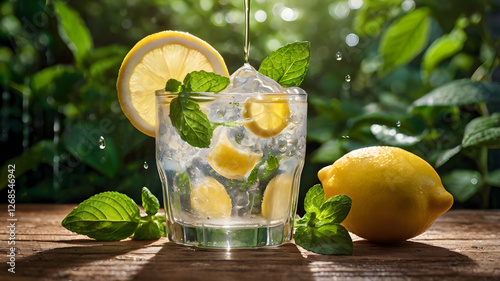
(107,216)
(315,197)
(288,65)
(183,183)
(319,230)
(191,123)
(149,202)
(270,169)
(330,239)
(173,85)
(335,209)
(150,230)
(202,81)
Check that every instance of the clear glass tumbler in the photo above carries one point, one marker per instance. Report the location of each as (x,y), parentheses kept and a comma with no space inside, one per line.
(241,191)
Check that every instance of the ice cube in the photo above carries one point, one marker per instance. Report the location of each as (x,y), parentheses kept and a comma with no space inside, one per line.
(248,80)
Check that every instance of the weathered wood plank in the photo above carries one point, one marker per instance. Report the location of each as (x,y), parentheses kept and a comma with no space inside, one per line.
(461,245)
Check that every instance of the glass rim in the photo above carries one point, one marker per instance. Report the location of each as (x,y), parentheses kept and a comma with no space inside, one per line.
(164,93)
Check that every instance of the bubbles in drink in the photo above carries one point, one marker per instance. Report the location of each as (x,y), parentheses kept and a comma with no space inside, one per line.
(102,143)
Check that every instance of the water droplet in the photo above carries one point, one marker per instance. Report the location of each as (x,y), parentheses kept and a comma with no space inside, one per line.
(473,181)
(146,166)
(102,143)
(398,124)
(345,137)
(348,78)
(338,56)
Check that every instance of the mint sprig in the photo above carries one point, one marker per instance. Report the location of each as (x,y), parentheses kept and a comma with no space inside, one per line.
(319,230)
(191,123)
(288,65)
(113,216)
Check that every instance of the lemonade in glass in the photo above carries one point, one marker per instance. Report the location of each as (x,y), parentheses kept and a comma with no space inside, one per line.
(240,191)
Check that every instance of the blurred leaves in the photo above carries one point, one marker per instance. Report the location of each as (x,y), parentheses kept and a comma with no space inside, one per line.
(483,131)
(404,39)
(424,76)
(73,31)
(460,92)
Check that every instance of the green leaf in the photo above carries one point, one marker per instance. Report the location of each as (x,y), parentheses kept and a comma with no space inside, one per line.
(107,216)
(404,39)
(443,48)
(446,155)
(56,82)
(202,81)
(269,169)
(191,123)
(73,31)
(392,136)
(150,230)
(460,92)
(149,202)
(173,85)
(483,131)
(335,209)
(328,152)
(288,65)
(462,184)
(82,140)
(494,178)
(315,197)
(319,229)
(183,183)
(41,152)
(330,239)
(373,15)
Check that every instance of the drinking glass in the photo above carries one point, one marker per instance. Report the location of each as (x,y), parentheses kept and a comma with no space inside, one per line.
(241,191)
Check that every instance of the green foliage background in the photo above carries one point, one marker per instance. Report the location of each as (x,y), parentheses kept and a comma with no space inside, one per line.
(423,76)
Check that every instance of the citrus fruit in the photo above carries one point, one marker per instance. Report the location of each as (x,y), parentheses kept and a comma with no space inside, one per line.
(395,194)
(276,201)
(151,63)
(268,115)
(210,199)
(232,162)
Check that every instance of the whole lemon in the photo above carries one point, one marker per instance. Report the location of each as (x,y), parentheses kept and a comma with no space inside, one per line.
(395,194)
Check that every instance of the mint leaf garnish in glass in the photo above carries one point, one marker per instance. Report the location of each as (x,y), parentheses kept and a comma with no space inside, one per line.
(319,230)
(191,123)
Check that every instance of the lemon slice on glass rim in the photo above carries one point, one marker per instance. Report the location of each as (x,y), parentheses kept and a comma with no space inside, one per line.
(151,63)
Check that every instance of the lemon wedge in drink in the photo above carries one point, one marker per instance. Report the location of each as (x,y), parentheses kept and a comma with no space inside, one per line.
(151,63)
(209,199)
(232,162)
(268,115)
(275,204)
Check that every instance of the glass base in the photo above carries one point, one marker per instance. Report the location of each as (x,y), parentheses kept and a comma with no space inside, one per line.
(229,237)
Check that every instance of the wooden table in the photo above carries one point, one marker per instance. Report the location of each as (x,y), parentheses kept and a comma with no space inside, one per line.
(461,245)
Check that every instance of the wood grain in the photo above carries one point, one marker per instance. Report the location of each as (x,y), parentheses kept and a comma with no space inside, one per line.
(461,245)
